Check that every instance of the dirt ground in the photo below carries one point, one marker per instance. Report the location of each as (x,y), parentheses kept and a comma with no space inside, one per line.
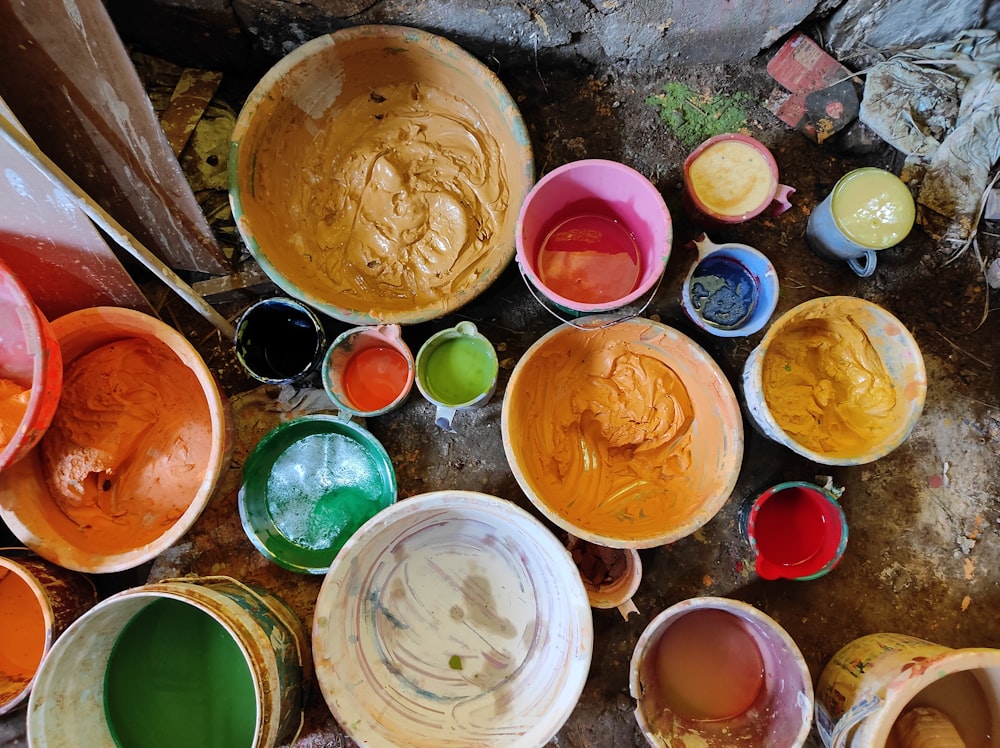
(923,554)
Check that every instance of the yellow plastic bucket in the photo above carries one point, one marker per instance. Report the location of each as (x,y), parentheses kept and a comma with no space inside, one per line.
(873,680)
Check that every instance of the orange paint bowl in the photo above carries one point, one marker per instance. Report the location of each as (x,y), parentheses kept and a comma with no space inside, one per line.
(875,426)
(38,602)
(29,357)
(166,489)
(627,435)
(346,206)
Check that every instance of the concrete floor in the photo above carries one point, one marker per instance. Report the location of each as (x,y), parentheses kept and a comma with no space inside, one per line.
(924,554)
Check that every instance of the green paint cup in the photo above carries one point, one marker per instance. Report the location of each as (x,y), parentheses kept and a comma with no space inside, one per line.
(456,370)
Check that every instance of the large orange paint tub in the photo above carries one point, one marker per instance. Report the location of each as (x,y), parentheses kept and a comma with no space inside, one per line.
(133,453)
(627,435)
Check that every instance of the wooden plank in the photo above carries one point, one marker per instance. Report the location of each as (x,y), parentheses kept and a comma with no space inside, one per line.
(193,93)
(67,77)
(50,244)
(110,226)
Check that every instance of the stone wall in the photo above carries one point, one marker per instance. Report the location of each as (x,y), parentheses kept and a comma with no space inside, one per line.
(636,34)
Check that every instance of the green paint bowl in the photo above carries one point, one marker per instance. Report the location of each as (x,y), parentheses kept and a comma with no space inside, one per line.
(308,485)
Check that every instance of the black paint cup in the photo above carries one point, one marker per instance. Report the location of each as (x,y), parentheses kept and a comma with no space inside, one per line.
(279,340)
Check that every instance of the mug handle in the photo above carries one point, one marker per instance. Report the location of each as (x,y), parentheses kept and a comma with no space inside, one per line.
(864,265)
(443,418)
(780,202)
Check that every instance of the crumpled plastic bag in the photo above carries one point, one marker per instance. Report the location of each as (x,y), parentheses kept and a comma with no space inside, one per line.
(940,105)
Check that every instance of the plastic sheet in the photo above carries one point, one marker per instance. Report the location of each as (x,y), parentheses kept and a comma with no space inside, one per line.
(940,105)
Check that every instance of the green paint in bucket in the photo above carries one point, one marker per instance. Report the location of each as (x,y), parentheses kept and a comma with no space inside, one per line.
(177,677)
(459,370)
(308,485)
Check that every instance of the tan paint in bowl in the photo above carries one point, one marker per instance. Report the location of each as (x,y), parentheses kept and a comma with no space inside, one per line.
(376,174)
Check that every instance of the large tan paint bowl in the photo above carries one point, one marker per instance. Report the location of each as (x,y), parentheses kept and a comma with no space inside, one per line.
(376,173)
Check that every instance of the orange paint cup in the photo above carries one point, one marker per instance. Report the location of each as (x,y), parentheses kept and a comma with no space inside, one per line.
(38,601)
(368,371)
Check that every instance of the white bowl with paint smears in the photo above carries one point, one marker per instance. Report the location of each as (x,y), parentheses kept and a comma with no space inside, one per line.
(134,451)
(452,618)
(836,379)
(628,435)
(377,173)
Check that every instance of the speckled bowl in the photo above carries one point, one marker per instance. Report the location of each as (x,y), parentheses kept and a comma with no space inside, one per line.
(452,618)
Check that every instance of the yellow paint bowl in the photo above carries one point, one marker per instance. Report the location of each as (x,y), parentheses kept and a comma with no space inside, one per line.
(836,379)
(134,451)
(627,435)
(376,173)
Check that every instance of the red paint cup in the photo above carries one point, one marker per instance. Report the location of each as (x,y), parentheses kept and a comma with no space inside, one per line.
(368,370)
(796,530)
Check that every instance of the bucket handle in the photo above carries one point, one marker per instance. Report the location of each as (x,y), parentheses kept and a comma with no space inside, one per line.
(594,325)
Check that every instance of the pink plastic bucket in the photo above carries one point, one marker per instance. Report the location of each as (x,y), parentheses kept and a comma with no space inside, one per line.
(593,236)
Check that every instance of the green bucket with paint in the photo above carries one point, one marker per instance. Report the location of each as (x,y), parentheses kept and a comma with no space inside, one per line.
(204,661)
(308,485)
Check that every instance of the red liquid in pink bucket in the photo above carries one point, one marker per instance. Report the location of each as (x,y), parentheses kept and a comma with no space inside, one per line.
(593,236)
(589,259)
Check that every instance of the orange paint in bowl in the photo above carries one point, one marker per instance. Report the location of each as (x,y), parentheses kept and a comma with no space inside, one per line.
(22,631)
(133,453)
(626,435)
(38,601)
(375,377)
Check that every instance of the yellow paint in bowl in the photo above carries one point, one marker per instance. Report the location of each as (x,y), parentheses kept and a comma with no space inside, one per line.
(873,208)
(627,435)
(732,178)
(837,379)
